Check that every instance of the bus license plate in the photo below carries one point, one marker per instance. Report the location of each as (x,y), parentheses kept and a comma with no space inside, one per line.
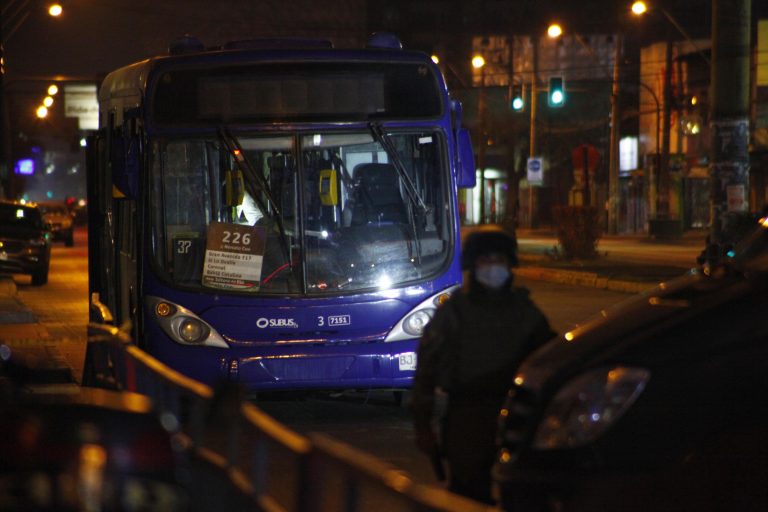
(407,361)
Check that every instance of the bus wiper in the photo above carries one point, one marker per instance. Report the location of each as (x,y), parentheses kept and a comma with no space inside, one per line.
(234,148)
(410,189)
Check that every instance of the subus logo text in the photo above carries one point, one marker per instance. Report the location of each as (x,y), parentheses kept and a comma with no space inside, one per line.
(263,323)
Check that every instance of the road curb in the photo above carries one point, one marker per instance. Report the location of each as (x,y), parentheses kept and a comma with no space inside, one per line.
(589,279)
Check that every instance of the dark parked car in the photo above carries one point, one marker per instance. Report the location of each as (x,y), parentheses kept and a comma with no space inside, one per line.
(660,403)
(25,245)
(60,221)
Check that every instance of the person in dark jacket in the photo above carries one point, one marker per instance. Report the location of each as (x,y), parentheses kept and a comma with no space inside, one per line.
(471,350)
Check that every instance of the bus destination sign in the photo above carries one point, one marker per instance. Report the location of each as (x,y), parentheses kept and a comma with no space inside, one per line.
(233,256)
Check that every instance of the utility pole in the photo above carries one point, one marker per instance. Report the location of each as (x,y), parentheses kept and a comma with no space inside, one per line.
(532,143)
(613,166)
(729,113)
(4,172)
(663,179)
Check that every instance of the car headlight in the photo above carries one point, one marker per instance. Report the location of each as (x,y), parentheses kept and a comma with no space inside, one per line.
(588,405)
(183,326)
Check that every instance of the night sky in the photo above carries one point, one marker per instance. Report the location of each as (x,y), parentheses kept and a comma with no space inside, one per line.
(95,36)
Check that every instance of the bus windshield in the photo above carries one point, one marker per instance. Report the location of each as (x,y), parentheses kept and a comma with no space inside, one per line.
(301,213)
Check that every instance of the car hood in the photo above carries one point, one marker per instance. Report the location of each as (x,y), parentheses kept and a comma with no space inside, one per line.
(616,332)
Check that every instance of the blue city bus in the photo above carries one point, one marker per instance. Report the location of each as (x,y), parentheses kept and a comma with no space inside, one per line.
(282,214)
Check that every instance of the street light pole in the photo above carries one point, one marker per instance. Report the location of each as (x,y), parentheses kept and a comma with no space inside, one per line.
(613,168)
(657,155)
(483,143)
(478,62)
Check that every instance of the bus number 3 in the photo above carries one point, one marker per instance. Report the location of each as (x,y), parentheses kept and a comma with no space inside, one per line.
(320,321)
(236,238)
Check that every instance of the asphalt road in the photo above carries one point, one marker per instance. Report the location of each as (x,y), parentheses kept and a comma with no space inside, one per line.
(375,423)
(369,421)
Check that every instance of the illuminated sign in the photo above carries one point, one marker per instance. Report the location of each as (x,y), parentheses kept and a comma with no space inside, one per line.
(25,166)
(628,154)
(81,101)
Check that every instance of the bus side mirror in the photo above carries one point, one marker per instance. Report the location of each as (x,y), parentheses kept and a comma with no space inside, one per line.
(466,177)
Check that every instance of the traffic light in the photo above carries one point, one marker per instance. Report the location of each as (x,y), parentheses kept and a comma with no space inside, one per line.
(556,94)
(517,97)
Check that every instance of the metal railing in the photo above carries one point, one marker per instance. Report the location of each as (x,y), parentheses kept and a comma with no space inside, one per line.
(276,468)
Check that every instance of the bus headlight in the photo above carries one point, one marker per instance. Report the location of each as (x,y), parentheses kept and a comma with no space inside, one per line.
(415,323)
(588,405)
(412,325)
(192,330)
(182,325)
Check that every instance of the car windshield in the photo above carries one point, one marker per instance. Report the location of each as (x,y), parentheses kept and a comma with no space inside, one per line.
(301,213)
(13,215)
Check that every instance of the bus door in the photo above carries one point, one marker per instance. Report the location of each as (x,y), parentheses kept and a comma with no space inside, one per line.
(114,163)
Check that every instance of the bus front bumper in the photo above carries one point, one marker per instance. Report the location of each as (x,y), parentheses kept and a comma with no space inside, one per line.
(302,366)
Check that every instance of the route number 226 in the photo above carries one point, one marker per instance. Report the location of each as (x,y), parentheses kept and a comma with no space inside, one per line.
(236,238)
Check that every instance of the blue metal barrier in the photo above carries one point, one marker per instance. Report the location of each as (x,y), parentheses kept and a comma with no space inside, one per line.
(248,446)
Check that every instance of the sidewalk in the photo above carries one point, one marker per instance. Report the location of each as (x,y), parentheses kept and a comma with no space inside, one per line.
(28,340)
(625,263)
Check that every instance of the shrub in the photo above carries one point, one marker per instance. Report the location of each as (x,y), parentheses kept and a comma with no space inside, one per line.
(578,230)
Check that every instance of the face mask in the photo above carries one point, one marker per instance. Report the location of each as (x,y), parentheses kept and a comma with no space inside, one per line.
(492,276)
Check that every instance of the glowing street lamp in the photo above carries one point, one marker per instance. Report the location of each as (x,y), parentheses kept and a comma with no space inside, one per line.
(55,10)
(42,111)
(478,61)
(48,101)
(554,31)
(53,89)
(639,8)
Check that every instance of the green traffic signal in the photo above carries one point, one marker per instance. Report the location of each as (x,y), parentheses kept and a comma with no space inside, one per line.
(556,96)
(517,98)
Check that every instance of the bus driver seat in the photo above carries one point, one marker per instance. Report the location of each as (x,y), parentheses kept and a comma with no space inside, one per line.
(378,198)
